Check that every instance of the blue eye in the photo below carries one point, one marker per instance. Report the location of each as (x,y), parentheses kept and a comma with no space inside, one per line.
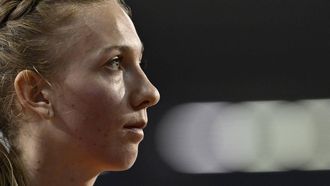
(114,63)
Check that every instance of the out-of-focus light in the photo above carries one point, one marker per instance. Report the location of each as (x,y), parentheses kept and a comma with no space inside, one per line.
(248,136)
(184,137)
(319,109)
(234,137)
(291,136)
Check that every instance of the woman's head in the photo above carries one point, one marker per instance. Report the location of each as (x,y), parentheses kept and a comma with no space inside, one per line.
(26,29)
(70,82)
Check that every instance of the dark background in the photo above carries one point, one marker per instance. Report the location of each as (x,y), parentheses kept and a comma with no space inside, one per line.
(228,50)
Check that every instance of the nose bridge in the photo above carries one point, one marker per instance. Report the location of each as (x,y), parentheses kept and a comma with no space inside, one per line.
(144,94)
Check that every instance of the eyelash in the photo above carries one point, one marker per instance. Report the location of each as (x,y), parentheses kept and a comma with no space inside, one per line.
(115,60)
(118,60)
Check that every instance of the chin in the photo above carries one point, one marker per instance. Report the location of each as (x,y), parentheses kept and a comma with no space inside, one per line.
(122,162)
(122,166)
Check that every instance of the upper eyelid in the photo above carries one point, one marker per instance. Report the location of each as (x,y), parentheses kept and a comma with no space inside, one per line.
(123,53)
(121,57)
(116,57)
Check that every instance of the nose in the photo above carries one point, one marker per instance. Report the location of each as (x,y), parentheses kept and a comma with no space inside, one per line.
(144,94)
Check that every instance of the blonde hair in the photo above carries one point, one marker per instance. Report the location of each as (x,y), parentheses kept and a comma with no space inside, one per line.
(25,29)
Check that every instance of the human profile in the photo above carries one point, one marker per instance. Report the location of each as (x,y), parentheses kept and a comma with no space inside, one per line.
(73,96)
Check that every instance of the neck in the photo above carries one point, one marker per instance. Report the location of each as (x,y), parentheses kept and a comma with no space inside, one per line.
(53,171)
(49,162)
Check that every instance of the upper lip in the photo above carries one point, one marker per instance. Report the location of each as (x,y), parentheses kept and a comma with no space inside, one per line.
(140,124)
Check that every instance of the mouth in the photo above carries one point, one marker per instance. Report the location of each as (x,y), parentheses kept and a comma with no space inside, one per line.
(136,125)
(135,130)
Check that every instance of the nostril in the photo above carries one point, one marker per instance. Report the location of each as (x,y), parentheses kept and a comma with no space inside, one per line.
(150,100)
(144,104)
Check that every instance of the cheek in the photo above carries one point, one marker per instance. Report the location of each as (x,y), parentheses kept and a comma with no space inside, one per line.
(91,110)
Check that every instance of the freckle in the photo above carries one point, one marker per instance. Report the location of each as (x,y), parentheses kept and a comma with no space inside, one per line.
(99,130)
(105,135)
(94,144)
(72,105)
(80,138)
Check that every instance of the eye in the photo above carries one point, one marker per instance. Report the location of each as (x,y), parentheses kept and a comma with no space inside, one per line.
(114,63)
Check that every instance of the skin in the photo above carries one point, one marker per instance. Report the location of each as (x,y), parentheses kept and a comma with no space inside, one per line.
(90,120)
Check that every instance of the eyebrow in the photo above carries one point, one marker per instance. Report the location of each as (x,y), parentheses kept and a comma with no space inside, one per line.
(123,48)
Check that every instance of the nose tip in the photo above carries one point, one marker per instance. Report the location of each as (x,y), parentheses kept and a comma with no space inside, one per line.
(155,97)
(149,97)
(145,95)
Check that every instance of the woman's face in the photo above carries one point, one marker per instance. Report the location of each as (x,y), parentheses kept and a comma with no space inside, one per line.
(101,96)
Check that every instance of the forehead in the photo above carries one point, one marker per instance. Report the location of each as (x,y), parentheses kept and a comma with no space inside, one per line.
(100,25)
(110,21)
(107,16)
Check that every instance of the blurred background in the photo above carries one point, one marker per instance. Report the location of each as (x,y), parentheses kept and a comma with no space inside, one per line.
(245,93)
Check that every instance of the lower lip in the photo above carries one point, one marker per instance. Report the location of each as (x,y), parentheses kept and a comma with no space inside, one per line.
(135,133)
